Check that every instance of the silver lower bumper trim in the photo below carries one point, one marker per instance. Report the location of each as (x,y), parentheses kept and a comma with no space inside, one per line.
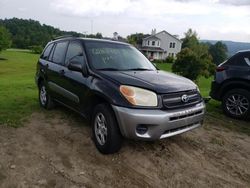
(160,123)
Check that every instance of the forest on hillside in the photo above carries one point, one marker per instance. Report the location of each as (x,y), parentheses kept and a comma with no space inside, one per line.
(27,33)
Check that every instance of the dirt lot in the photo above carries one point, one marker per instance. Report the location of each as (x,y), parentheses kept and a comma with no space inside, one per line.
(54,149)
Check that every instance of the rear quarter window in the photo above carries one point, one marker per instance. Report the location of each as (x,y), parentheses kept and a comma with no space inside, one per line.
(47,52)
(241,59)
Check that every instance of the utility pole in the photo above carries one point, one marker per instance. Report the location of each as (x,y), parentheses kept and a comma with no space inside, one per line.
(85,33)
(91,26)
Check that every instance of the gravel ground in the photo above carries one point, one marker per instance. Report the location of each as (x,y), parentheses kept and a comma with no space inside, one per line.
(55,149)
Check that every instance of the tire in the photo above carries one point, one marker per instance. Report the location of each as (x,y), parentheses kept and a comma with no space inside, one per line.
(105,130)
(236,103)
(44,97)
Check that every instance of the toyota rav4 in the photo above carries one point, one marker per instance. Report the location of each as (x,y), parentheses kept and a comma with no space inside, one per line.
(118,89)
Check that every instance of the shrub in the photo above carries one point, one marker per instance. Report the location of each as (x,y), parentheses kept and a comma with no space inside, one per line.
(169,59)
(36,49)
(191,65)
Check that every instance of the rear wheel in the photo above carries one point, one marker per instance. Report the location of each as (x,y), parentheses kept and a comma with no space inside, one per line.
(106,134)
(45,99)
(236,103)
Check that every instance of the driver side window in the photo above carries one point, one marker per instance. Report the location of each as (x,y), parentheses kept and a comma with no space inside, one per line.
(74,53)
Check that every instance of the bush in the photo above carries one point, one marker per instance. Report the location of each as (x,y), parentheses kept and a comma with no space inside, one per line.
(36,49)
(169,59)
(191,64)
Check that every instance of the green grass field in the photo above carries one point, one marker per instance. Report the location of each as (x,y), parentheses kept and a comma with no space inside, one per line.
(18,92)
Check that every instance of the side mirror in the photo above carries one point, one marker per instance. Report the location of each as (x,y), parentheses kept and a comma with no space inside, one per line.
(77,66)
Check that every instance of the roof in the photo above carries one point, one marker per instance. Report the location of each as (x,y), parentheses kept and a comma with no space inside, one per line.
(162,32)
(152,36)
(89,39)
(247,50)
(155,49)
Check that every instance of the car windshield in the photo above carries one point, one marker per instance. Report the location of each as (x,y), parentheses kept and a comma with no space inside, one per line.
(116,57)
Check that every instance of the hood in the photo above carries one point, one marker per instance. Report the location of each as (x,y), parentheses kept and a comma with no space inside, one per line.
(158,81)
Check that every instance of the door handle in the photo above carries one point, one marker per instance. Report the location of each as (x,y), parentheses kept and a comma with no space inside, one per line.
(62,72)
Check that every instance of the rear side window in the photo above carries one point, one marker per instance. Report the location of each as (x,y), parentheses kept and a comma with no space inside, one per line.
(59,52)
(241,59)
(46,52)
(247,58)
(75,52)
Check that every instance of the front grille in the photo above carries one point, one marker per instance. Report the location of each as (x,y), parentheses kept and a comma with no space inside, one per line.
(174,100)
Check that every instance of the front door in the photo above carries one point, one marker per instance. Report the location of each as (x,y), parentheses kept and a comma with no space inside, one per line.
(75,82)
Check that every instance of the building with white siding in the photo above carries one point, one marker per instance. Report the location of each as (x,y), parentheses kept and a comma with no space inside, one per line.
(161,45)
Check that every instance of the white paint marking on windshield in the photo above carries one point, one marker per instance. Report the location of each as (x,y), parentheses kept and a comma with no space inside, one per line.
(247,61)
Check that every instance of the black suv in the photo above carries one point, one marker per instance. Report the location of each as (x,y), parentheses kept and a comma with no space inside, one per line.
(118,89)
(232,85)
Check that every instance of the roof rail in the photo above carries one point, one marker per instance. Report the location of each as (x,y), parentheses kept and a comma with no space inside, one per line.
(61,37)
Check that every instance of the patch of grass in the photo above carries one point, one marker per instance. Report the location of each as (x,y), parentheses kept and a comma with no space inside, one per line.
(217,141)
(164,66)
(18,93)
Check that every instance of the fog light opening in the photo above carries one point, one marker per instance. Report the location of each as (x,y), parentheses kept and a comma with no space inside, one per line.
(141,129)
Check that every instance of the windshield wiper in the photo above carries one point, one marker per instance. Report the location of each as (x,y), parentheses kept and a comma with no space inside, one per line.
(139,69)
(109,69)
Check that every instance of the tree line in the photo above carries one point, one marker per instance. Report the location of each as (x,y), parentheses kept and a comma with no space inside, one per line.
(26,34)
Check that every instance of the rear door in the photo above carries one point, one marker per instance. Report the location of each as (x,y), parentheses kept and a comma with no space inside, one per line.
(56,71)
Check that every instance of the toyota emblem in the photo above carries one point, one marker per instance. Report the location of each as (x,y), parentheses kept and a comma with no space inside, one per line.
(184,98)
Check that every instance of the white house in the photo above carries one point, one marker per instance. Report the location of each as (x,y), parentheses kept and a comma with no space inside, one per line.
(161,45)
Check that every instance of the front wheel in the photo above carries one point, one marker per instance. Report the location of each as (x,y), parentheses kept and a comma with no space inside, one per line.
(236,103)
(106,133)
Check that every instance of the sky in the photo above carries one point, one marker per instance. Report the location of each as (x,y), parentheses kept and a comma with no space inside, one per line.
(211,19)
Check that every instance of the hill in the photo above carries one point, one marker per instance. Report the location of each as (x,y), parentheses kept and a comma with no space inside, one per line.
(27,33)
(232,46)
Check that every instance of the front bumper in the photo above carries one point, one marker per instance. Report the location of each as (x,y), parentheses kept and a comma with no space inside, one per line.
(160,123)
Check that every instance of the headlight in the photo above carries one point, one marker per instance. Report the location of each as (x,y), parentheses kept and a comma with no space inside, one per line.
(138,96)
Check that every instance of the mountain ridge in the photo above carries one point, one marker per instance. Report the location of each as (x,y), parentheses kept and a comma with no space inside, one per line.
(232,46)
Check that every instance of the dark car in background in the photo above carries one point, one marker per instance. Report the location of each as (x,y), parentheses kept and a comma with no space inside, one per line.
(118,89)
(231,85)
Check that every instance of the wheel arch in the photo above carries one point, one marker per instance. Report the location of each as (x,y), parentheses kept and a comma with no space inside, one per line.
(39,81)
(233,84)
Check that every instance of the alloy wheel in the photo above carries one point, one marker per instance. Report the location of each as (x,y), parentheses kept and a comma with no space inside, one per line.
(43,95)
(101,131)
(237,104)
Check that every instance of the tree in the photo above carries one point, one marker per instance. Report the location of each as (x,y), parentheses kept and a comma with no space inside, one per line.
(27,33)
(5,41)
(191,39)
(194,59)
(218,52)
(136,39)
